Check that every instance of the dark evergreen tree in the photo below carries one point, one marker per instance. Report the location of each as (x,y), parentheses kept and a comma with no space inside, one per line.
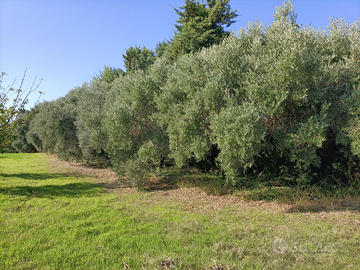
(109,74)
(137,58)
(200,25)
(161,48)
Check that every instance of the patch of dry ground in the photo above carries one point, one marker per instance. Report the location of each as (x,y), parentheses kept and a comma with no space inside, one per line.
(60,166)
(344,212)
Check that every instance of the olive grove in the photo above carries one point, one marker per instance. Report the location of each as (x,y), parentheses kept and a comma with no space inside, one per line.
(275,101)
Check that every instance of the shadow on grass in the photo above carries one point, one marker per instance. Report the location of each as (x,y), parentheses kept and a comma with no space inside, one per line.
(310,199)
(316,208)
(160,183)
(68,190)
(31,176)
(210,183)
(326,204)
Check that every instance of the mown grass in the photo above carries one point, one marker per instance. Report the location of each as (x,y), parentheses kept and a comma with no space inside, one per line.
(66,221)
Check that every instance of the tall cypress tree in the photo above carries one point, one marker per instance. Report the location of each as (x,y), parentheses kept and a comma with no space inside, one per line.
(200,25)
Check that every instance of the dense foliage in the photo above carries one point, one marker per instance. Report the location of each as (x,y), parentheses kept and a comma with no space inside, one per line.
(279,101)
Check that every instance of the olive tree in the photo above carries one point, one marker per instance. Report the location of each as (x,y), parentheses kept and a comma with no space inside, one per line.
(55,126)
(135,140)
(275,99)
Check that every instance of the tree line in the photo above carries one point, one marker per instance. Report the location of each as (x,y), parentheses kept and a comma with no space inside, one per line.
(274,101)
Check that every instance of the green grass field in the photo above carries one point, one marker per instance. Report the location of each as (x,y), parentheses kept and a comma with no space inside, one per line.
(57,220)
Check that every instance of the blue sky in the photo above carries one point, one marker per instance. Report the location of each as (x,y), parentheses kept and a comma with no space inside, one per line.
(67,42)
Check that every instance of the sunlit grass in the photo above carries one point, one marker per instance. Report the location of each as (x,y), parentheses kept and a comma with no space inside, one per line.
(66,221)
